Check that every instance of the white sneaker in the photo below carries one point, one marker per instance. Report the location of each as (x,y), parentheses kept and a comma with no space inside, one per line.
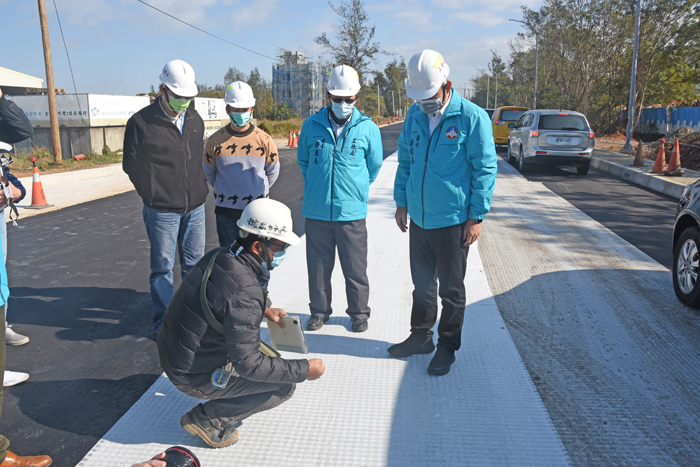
(14,377)
(14,338)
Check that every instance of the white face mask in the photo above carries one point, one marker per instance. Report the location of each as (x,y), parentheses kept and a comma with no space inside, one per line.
(342,110)
(430,106)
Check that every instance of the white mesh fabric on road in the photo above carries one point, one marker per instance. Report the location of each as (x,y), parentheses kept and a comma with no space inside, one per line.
(370,409)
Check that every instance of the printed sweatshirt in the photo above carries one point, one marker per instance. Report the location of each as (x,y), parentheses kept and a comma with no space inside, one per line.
(240,166)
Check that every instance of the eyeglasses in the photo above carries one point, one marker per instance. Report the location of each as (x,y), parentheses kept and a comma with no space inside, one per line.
(347,100)
(278,247)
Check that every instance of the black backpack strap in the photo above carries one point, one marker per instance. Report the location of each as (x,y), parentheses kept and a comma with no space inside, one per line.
(211,319)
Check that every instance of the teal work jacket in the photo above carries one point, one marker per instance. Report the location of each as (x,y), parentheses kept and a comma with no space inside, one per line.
(448,177)
(337,173)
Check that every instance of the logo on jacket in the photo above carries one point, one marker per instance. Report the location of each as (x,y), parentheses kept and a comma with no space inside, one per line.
(452,131)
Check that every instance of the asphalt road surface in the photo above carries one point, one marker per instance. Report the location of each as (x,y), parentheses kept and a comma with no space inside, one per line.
(641,216)
(79,289)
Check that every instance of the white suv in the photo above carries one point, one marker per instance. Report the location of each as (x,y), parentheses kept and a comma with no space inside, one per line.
(551,137)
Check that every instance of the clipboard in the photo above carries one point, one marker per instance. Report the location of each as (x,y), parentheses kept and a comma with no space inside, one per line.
(291,338)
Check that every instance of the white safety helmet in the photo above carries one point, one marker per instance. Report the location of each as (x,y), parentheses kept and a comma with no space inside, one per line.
(178,76)
(270,219)
(343,81)
(239,95)
(427,72)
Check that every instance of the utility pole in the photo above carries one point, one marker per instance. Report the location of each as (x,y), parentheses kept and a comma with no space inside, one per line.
(630,108)
(495,101)
(488,86)
(53,113)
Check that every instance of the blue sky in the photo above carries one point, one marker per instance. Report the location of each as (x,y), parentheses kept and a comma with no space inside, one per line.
(120,46)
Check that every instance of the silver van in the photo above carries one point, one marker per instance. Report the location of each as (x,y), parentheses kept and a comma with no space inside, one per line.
(551,137)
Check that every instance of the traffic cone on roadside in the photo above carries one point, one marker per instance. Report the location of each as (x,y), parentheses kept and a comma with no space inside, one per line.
(660,164)
(289,141)
(674,165)
(38,197)
(295,140)
(639,157)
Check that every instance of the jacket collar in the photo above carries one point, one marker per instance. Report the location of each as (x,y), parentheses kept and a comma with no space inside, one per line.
(453,108)
(250,260)
(322,117)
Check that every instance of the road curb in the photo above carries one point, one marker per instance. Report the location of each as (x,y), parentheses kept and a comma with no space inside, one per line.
(620,165)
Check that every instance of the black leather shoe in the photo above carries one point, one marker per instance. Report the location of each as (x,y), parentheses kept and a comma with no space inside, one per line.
(359,325)
(441,362)
(315,322)
(415,344)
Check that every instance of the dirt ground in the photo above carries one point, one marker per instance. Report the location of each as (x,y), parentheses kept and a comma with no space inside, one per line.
(690,156)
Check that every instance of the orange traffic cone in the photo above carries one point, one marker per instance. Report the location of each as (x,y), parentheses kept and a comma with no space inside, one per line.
(660,164)
(289,141)
(38,197)
(295,140)
(674,165)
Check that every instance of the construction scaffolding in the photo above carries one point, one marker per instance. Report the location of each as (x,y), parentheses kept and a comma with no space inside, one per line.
(299,84)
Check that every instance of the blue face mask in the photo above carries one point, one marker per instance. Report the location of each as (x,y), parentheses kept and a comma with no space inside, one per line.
(277,259)
(342,110)
(240,119)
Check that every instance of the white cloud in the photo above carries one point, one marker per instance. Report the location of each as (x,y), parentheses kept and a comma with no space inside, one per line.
(482,18)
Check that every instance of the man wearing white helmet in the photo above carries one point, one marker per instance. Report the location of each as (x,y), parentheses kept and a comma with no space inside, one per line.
(340,154)
(210,345)
(240,162)
(444,182)
(163,147)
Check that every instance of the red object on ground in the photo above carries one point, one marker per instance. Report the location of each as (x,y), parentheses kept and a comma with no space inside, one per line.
(660,164)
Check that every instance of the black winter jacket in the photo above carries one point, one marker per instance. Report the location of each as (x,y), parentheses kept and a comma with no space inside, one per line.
(190,350)
(14,124)
(164,165)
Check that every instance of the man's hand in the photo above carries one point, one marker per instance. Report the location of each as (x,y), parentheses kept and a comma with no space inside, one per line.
(316,369)
(472,229)
(155,462)
(274,315)
(402,217)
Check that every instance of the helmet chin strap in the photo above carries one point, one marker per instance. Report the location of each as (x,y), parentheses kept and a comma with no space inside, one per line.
(263,241)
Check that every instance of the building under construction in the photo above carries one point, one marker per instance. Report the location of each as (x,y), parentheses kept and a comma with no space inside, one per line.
(299,84)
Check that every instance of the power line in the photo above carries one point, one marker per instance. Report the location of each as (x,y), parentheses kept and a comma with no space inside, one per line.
(205,32)
(68,56)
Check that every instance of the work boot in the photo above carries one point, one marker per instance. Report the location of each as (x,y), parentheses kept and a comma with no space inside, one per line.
(415,344)
(13,460)
(214,437)
(14,338)
(316,322)
(441,362)
(13,377)
(359,325)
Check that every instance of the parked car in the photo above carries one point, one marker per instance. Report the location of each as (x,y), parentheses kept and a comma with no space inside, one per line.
(551,137)
(686,247)
(500,119)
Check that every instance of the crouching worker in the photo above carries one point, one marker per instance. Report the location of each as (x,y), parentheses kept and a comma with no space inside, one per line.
(210,344)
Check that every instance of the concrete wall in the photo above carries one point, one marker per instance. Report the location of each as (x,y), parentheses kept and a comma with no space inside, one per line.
(76,140)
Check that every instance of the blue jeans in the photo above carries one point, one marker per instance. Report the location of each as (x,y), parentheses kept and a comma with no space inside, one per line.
(169,232)
(227,229)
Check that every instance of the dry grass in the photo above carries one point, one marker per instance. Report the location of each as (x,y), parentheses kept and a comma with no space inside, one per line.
(22,166)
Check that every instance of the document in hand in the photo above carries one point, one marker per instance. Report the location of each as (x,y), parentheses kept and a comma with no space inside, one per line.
(291,338)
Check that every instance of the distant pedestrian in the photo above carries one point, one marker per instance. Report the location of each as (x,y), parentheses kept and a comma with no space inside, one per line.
(340,154)
(210,345)
(240,162)
(163,147)
(445,179)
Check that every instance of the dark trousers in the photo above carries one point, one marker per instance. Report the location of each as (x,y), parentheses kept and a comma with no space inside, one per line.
(239,400)
(4,443)
(350,238)
(227,227)
(438,267)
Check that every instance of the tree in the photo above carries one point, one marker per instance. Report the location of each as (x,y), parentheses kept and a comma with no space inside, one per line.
(354,43)
(233,74)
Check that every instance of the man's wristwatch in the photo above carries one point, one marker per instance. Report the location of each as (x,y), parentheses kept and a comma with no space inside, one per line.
(478,221)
